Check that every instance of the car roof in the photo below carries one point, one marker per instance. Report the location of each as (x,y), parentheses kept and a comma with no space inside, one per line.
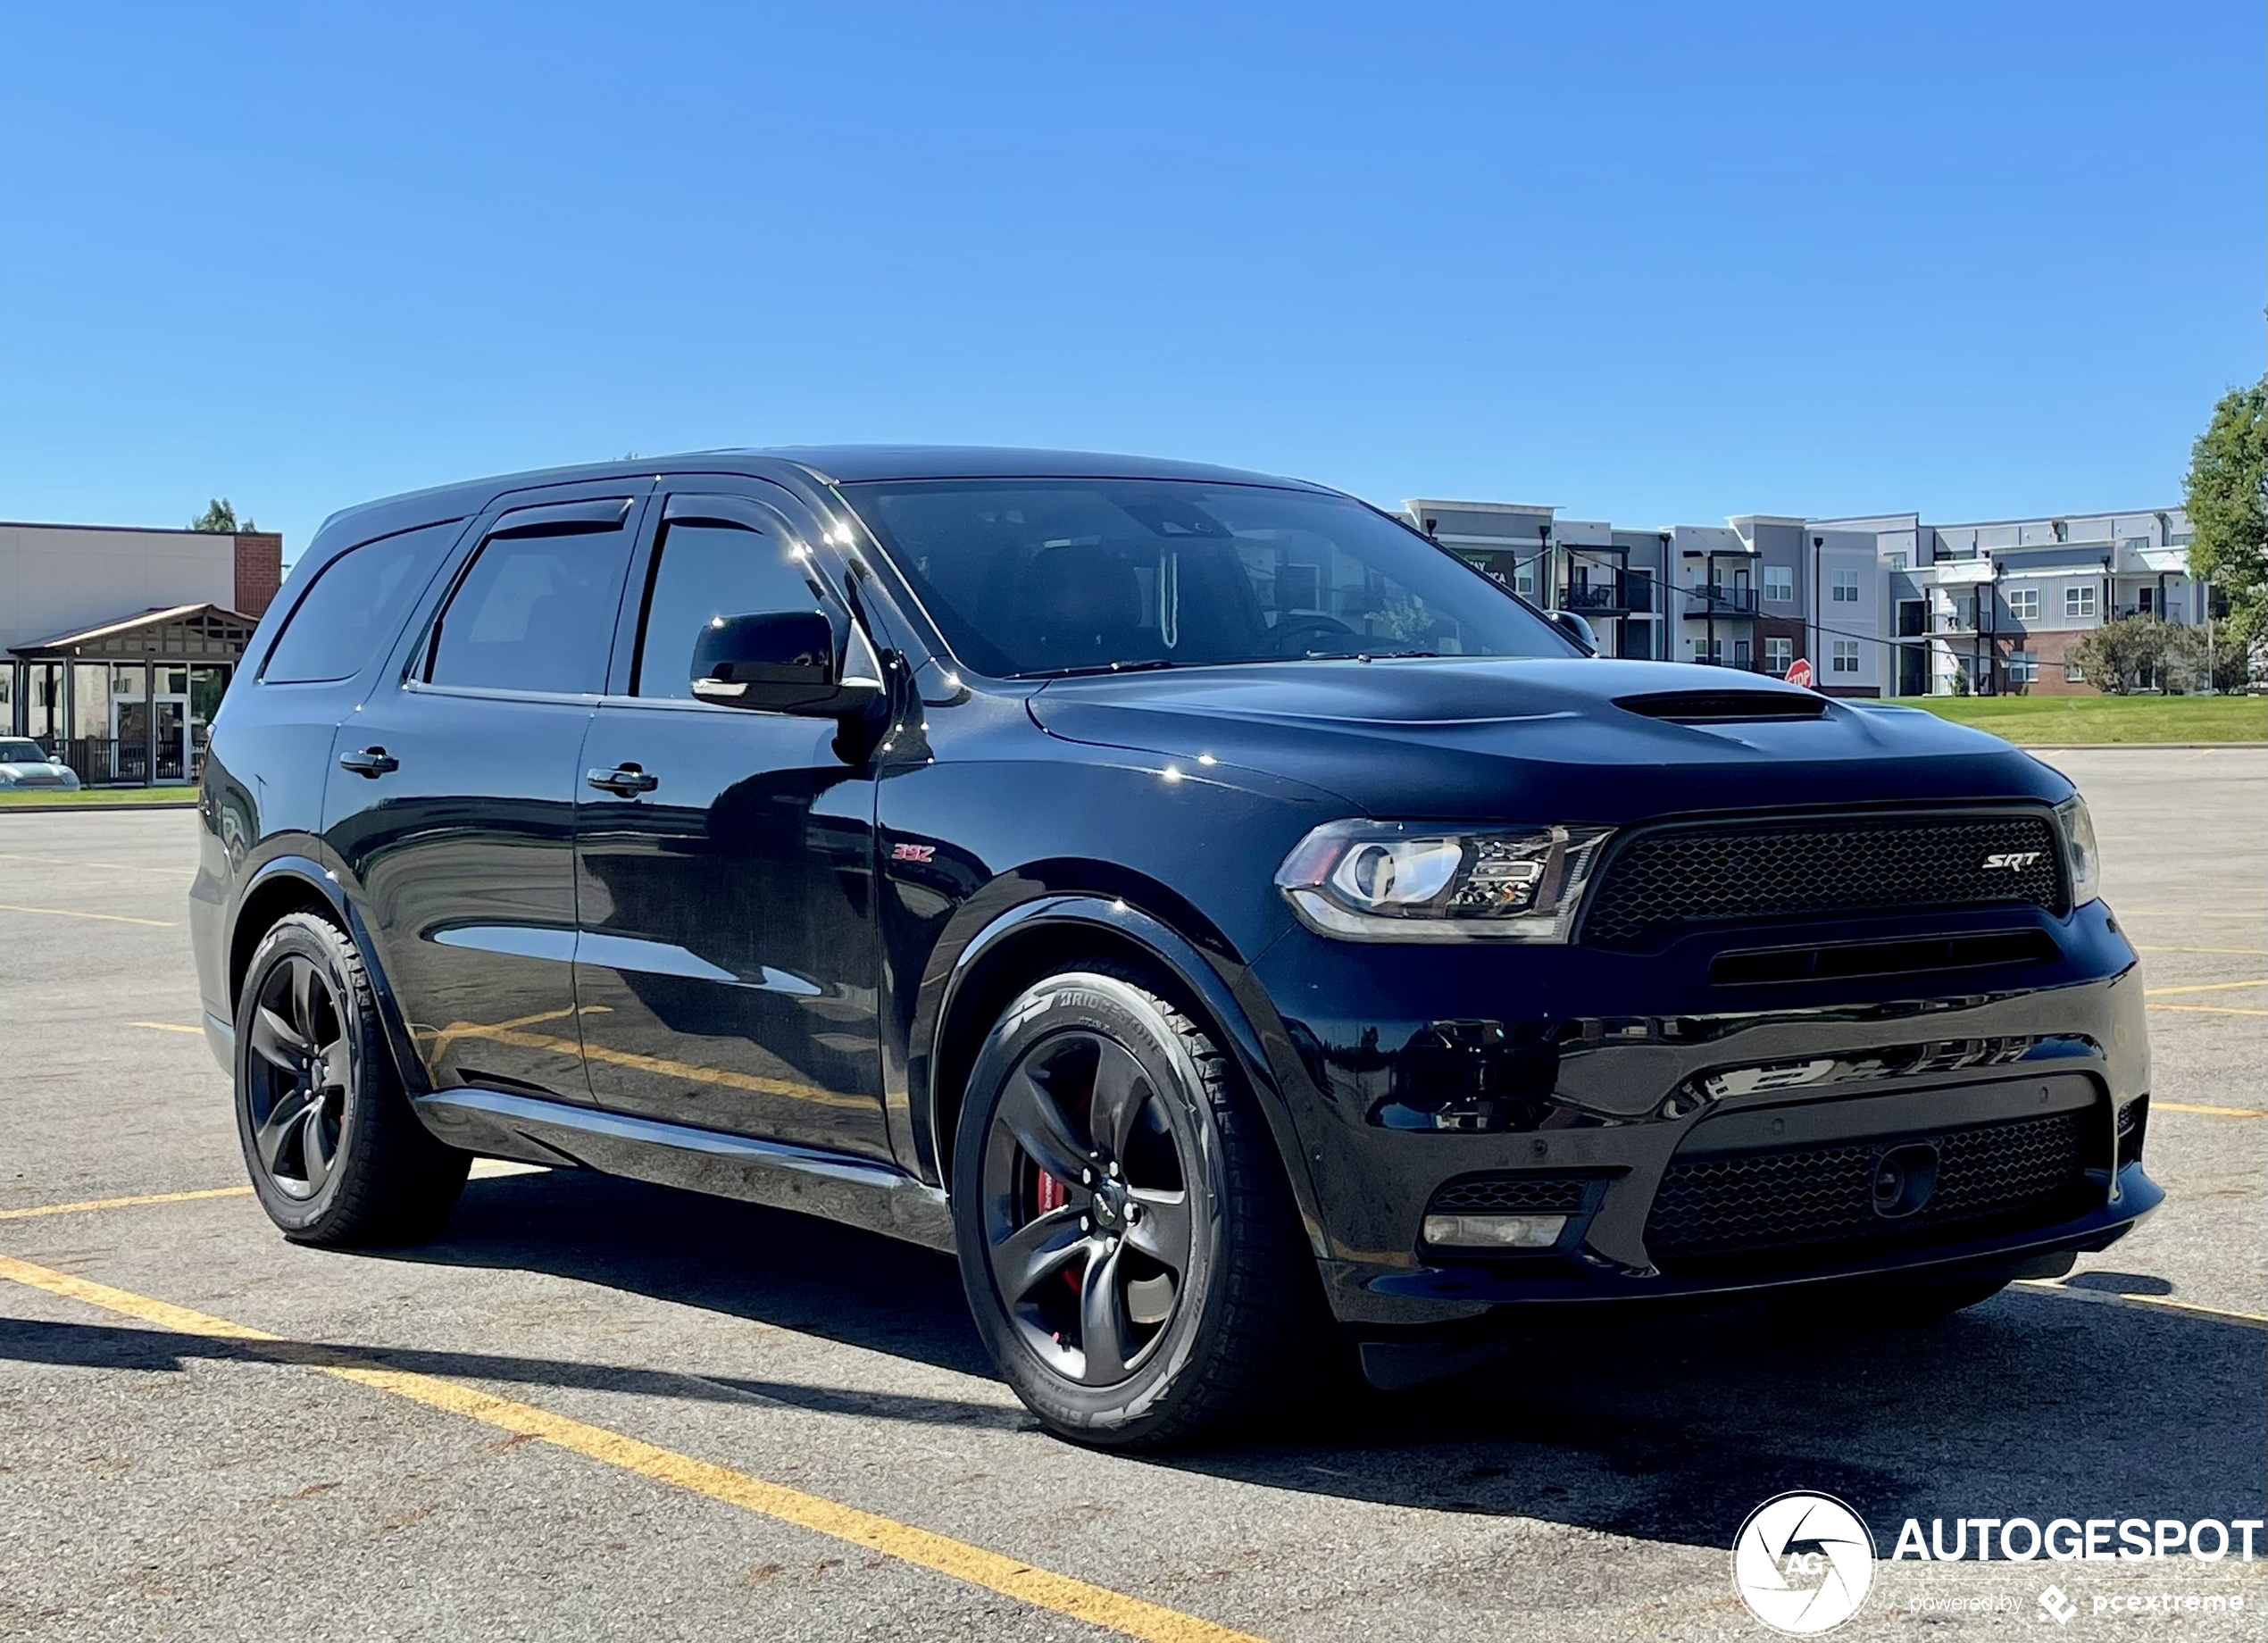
(831,465)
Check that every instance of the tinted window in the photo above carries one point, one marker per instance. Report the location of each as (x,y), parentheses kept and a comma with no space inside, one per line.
(21,753)
(705,571)
(1034,576)
(534,613)
(356,606)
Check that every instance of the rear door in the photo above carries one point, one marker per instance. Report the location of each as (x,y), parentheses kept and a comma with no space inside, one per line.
(452,789)
(727,964)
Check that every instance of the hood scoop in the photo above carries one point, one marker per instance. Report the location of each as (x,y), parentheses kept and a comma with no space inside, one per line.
(1725,706)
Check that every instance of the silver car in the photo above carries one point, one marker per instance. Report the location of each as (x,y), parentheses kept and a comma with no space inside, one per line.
(24,763)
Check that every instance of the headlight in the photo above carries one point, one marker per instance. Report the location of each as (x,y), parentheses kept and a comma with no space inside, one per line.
(1419,882)
(2079,854)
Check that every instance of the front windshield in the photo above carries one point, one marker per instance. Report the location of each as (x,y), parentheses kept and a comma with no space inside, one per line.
(21,753)
(1049,576)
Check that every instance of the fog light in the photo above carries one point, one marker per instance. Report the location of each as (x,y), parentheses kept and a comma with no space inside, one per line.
(1494,1231)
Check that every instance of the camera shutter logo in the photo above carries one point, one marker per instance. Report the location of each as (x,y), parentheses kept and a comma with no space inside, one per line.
(1803,1563)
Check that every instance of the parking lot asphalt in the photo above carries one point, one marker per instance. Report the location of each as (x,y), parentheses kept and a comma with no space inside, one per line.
(594,1408)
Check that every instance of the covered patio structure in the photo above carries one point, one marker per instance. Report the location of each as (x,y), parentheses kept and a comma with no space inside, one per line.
(128,702)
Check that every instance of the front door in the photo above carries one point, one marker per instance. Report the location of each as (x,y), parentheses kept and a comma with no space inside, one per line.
(727,965)
(451,802)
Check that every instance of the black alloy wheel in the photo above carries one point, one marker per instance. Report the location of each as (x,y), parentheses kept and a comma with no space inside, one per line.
(297,1076)
(335,1154)
(1126,1238)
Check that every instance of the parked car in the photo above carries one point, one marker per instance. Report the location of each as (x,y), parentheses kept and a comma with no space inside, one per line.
(25,764)
(1217,913)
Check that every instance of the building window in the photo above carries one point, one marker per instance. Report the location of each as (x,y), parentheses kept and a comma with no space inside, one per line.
(1523,579)
(1846,590)
(2023,604)
(2079,600)
(1780,584)
(1708,650)
(2135,545)
(1846,659)
(2024,667)
(1898,561)
(2074,673)
(1779,654)
(2179,539)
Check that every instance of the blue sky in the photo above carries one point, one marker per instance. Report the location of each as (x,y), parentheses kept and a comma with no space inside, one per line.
(1651,262)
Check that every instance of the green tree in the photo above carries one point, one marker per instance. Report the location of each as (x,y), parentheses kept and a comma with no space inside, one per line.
(2226,498)
(2134,652)
(221,517)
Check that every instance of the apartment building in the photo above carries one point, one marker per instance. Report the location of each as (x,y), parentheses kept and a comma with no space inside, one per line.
(1880,605)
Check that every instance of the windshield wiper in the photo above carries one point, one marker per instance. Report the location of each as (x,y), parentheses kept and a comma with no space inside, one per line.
(1105,667)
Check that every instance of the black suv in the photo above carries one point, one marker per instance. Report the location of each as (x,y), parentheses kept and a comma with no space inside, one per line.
(1223,916)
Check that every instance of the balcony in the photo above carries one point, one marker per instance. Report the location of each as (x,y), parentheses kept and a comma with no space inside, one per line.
(1611,596)
(1716,599)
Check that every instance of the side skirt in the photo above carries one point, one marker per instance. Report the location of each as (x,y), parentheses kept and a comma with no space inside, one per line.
(856,1191)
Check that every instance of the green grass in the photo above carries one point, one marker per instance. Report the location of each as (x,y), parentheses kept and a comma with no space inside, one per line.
(2064,720)
(98,797)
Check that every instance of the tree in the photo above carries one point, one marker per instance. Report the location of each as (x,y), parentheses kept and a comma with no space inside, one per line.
(2226,497)
(2123,656)
(221,517)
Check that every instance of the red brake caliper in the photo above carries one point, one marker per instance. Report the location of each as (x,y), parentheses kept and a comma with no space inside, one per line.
(1048,1194)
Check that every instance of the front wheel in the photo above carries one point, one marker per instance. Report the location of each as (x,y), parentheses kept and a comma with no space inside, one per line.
(335,1154)
(1126,1237)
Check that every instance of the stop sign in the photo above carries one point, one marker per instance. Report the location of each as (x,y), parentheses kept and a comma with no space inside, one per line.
(1800,671)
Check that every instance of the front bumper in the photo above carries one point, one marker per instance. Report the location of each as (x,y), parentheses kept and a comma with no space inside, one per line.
(1536,1068)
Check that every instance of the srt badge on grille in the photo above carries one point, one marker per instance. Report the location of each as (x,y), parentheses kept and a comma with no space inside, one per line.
(2015,861)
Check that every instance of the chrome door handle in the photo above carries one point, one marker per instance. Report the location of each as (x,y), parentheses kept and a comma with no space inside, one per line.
(623,782)
(370,762)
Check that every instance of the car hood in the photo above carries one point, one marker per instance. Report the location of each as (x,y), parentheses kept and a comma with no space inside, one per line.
(1536,740)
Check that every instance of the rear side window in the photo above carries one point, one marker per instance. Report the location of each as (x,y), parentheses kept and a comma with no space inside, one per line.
(706,571)
(533,612)
(355,605)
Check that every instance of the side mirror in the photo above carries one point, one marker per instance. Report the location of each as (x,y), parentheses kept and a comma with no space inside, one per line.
(786,661)
(1576,629)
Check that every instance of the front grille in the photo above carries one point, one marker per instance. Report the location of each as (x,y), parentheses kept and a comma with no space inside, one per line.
(1800,1197)
(1510,1195)
(1670,878)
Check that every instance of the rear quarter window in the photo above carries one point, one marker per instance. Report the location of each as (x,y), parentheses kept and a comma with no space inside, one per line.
(355,604)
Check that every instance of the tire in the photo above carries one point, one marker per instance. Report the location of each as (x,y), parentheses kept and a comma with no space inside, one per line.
(1108,1344)
(336,1155)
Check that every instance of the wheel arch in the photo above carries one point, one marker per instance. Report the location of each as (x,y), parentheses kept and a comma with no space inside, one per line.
(290,883)
(963,995)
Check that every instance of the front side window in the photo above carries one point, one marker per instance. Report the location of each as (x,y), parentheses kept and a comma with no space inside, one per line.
(355,605)
(535,613)
(1038,576)
(1846,588)
(702,571)
(1846,658)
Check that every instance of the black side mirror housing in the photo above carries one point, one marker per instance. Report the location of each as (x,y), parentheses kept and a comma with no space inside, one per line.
(1576,629)
(786,661)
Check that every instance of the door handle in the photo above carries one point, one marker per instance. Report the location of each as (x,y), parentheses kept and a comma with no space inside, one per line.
(623,782)
(370,762)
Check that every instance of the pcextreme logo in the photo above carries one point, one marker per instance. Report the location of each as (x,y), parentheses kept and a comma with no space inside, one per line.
(1803,1563)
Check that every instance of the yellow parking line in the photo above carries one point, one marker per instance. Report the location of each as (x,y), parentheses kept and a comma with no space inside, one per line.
(1010,1577)
(2062,1288)
(2209,1009)
(37,1211)
(68,912)
(2218,1111)
(166,1027)
(2204,987)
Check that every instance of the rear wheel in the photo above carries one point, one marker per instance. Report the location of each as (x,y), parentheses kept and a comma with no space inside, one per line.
(335,1154)
(1126,1238)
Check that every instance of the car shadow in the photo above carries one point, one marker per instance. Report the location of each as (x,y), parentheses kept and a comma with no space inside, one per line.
(1669,1427)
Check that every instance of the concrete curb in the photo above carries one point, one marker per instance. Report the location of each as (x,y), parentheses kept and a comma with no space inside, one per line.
(93,810)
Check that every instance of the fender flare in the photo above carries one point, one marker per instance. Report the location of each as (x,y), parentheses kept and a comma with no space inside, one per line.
(1201,972)
(309,873)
